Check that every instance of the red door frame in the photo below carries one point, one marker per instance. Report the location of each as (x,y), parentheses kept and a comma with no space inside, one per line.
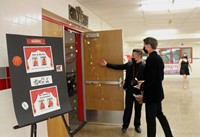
(79,77)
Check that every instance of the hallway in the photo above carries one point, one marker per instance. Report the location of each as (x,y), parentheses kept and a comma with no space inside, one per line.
(181,106)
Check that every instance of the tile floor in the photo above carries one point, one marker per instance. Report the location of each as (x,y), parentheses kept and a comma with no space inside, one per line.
(181,106)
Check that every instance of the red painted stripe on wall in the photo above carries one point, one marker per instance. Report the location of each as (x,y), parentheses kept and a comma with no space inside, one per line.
(5,81)
(3,84)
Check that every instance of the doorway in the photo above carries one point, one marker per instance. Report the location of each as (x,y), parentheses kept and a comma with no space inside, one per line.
(72,43)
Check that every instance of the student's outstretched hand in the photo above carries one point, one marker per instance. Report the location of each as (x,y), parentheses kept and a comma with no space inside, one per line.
(103,62)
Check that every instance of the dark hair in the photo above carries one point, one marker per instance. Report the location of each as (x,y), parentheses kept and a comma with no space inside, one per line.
(151,41)
(138,51)
(185,56)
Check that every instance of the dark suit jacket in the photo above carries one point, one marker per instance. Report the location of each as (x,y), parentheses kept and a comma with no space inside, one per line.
(153,77)
(129,67)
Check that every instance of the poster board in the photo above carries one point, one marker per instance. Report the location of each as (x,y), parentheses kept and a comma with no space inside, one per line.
(38,79)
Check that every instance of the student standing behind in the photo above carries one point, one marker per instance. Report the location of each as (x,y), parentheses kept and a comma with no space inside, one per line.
(153,90)
(183,68)
(134,70)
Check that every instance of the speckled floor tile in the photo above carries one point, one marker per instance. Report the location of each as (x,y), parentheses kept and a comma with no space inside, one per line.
(181,107)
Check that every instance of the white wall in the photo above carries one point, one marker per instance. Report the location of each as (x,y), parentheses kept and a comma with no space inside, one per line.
(17,17)
(24,17)
(127,49)
(95,23)
(196,61)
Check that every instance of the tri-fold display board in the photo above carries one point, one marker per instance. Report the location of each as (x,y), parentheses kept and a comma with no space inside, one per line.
(38,78)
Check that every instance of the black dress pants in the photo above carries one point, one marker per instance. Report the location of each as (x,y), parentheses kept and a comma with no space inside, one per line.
(154,110)
(129,99)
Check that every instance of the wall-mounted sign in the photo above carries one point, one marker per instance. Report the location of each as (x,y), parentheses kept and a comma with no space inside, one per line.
(171,69)
(76,14)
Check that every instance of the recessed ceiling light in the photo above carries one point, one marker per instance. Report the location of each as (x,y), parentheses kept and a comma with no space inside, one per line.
(159,5)
(161,31)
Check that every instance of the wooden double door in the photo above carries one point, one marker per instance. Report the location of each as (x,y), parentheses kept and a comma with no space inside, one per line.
(103,86)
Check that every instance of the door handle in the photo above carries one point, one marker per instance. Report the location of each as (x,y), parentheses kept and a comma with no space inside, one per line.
(119,82)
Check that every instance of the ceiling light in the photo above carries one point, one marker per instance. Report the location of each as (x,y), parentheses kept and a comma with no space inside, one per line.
(155,5)
(159,5)
(161,31)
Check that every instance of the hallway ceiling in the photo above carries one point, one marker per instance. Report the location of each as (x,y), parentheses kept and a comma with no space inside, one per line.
(135,21)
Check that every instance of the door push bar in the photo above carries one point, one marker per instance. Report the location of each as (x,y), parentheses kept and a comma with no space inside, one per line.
(119,82)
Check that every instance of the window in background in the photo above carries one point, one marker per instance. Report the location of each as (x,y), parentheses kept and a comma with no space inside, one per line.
(175,55)
(158,51)
(172,55)
(165,55)
(144,56)
(188,51)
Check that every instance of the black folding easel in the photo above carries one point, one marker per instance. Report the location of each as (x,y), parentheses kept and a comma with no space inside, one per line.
(67,127)
(34,128)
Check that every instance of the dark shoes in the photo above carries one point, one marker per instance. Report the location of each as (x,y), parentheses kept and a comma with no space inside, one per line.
(138,129)
(124,130)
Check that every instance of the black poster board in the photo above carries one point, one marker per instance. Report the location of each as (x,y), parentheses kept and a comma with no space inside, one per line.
(38,81)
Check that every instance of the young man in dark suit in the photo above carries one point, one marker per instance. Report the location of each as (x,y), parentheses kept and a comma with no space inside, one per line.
(153,90)
(134,70)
